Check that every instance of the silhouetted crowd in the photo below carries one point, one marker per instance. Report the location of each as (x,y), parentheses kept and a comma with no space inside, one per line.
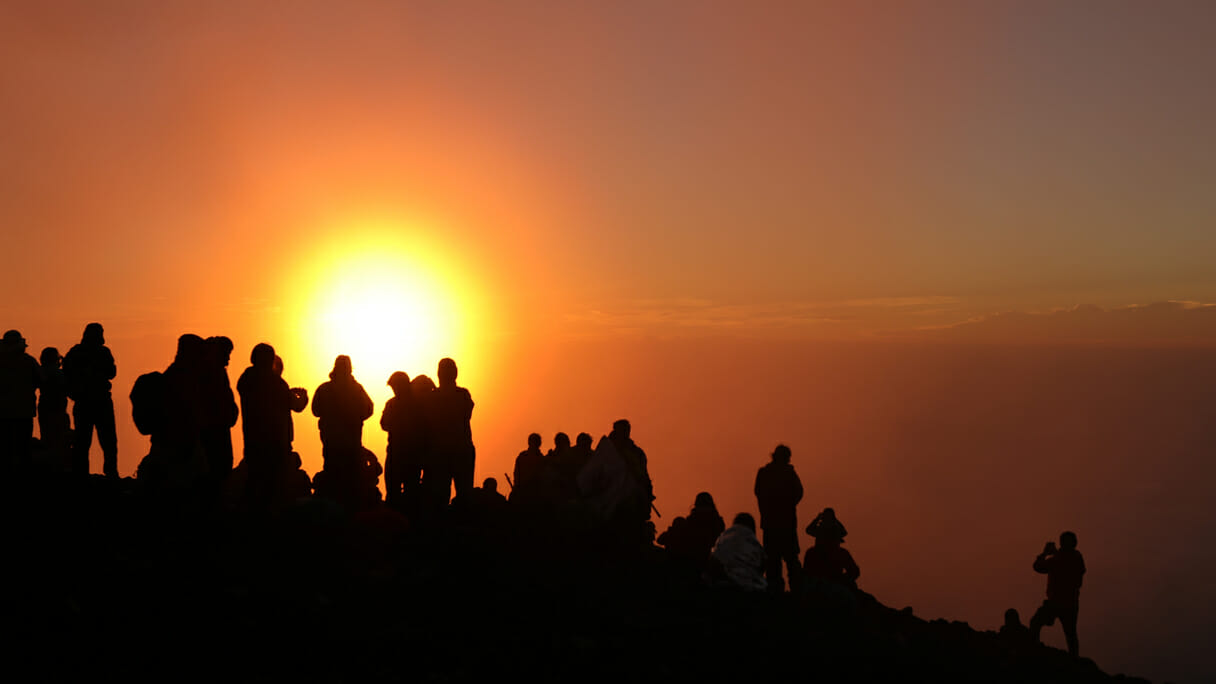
(594,488)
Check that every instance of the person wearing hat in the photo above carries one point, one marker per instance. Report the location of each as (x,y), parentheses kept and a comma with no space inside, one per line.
(19,379)
(88,369)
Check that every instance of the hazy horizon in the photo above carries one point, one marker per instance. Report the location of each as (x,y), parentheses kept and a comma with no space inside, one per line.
(957,255)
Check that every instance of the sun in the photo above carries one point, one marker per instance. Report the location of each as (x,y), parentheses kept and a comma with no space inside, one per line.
(388,302)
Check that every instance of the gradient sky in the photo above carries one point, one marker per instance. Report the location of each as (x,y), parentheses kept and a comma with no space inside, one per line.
(572,186)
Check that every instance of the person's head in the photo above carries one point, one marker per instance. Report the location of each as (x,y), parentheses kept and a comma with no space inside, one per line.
(490,485)
(50,358)
(583,441)
(400,382)
(189,349)
(446,372)
(704,500)
(781,454)
(262,356)
(621,428)
(1068,540)
(828,514)
(1012,619)
(342,367)
(277,366)
(14,342)
(534,441)
(219,350)
(746,520)
(561,441)
(421,385)
(93,334)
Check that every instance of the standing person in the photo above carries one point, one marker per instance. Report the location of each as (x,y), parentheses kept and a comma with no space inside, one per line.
(778,491)
(53,423)
(88,369)
(1065,569)
(404,459)
(19,378)
(266,406)
(341,405)
(219,410)
(637,509)
(451,434)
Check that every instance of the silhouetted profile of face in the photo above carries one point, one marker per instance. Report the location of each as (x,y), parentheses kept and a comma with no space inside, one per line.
(446,372)
(400,382)
(93,334)
(583,441)
(490,485)
(1068,540)
(621,428)
(533,441)
(262,356)
(561,440)
(219,350)
(704,500)
(781,454)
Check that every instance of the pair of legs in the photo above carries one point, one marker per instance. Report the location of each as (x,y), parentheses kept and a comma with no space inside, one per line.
(781,546)
(90,414)
(1047,614)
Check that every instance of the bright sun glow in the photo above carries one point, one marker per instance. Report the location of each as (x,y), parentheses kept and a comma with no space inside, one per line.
(387,302)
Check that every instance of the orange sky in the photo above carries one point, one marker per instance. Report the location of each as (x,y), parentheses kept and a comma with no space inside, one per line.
(573,191)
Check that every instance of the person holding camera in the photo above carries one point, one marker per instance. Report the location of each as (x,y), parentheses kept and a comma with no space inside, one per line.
(1064,568)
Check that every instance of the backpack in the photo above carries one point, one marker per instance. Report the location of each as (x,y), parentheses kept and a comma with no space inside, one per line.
(148,402)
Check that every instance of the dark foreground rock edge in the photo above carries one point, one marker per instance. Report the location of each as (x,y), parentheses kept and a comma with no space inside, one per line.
(103,583)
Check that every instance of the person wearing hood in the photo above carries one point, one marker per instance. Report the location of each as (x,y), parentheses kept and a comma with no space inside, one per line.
(341,405)
(19,379)
(88,369)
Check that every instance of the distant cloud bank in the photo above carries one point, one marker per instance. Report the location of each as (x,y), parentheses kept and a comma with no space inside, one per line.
(937,318)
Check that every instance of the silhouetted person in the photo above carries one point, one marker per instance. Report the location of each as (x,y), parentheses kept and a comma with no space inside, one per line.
(436,477)
(404,420)
(266,406)
(219,410)
(705,524)
(778,491)
(638,510)
(1014,632)
(528,466)
(451,435)
(826,527)
(341,405)
(19,379)
(737,557)
(561,445)
(88,369)
(54,426)
(483,507)
(827,560)
(584,445)
(182,459)
(690,540)
(1065,568)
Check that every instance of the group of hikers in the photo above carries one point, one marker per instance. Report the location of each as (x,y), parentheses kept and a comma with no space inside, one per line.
(189,410)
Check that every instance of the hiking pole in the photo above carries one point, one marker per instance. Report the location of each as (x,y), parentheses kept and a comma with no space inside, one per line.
(509,482)
(655,509)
